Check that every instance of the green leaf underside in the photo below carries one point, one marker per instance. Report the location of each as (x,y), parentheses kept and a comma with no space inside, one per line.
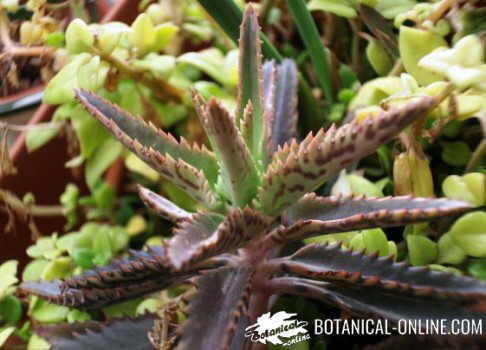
(250,87)
(216,313)
(238,169)
(161,205)
(379,303)
(140,274)
(206,235)
(381,28)
(331,262)
(280,92)
(120,334)
(297,169)
(313,215)
(172,159)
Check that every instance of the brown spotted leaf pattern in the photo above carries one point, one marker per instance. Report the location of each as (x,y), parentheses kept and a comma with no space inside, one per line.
(313,215)
(250,88)
(127,127)
(161,151)
(161,205)
(205,235)
(140,274)
(332,262)
(216,310)
(377,303)
(238,170)
(323,155)
(120,334)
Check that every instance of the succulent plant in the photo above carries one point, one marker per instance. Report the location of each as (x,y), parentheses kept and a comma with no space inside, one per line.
(255,188)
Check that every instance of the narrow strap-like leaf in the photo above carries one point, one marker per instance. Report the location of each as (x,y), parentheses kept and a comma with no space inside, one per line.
(379,303)
(331,262)
(120,334)
(280,87)
(140,274)
(250,87)
(206,235)
(216,310)
(317,51)
(161,205)
(381,28)
(313,215)
(238,170)
(322,156)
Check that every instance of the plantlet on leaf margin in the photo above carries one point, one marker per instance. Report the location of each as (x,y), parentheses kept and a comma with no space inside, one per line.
(257,192)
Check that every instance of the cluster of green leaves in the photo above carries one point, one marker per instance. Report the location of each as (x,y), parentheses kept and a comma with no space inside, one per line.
(255,190)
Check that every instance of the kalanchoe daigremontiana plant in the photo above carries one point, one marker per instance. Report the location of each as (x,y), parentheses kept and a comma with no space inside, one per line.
(256,189)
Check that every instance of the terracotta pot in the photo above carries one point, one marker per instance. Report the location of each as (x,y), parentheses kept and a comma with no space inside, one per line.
(43,172)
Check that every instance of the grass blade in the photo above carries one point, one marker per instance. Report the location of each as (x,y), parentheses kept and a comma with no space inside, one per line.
(308,31)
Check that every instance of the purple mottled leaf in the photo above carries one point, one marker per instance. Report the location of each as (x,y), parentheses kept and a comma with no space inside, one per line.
(193,169)
(140,274)
(332,262)
(280,88)
(161,205)
(295,171)
(120,334)
(206,235)
(216,313)
(313,215)
(250,88)
(372,302)
(381,28)
(238,170)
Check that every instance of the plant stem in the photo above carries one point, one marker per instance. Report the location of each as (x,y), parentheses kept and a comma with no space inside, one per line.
(442,8)
(397,69)
(22,128)
(477,157)
(11,48)
(160,87)
(34,210)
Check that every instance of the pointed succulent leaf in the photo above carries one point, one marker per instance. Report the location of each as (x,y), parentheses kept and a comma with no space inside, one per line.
(313,215)
(161,205)
(331,262)
(140,274)
(160,150)
(122,334)
(280,101)
(127,127)
(322,156)
(378,303)
(250,79)
(206,235)
(213,325)
(238,169)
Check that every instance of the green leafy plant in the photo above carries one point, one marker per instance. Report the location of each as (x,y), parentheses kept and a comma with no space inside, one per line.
(255,189)
(31,32)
